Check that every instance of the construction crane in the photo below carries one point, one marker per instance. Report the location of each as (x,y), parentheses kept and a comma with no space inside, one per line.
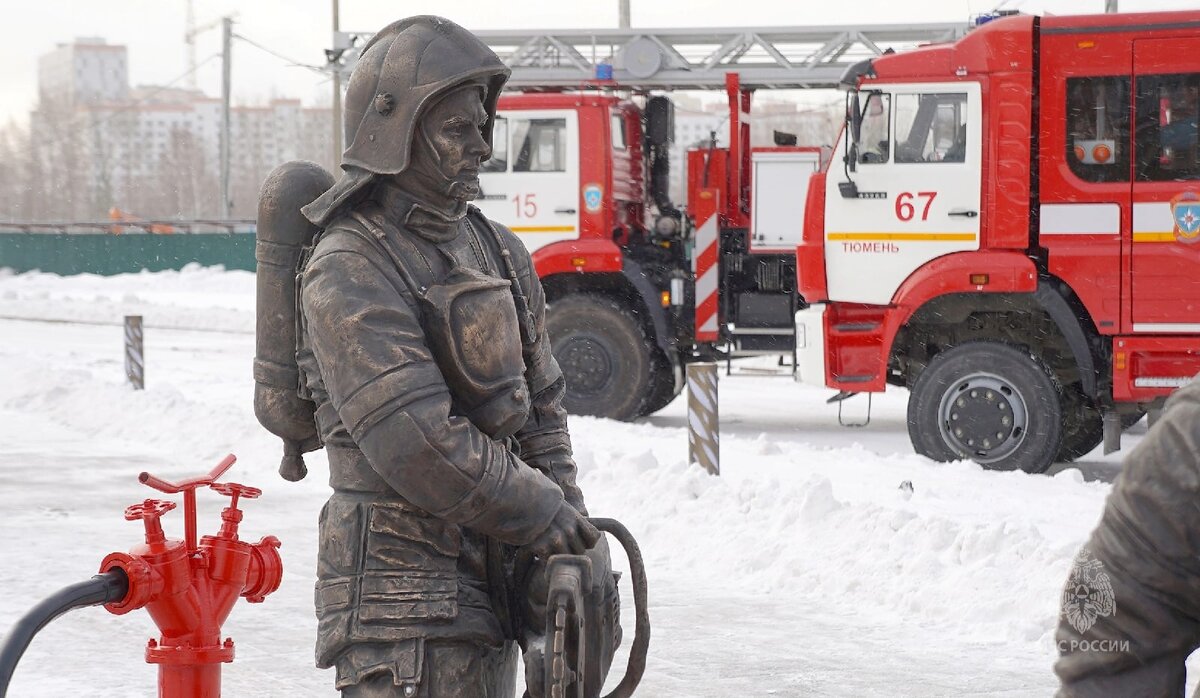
(189,39)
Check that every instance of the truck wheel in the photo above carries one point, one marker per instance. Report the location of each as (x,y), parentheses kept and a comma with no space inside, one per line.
(990,402)
(1083,426)
(662,389)
(604,356)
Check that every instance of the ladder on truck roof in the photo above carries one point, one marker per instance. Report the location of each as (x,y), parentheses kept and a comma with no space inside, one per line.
(684,58)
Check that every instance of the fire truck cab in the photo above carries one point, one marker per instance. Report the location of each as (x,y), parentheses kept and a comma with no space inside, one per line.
(581,178)
(1009,229)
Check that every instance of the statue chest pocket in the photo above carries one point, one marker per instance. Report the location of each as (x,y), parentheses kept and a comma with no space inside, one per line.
(471,323)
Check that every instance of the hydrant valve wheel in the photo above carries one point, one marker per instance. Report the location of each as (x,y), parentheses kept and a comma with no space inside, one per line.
(233,489)
(149,509)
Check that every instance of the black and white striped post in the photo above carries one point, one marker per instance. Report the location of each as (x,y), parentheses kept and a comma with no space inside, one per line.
(704,433)
(135,361)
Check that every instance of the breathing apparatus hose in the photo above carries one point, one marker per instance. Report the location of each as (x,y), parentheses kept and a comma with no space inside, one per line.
(100,589)
(641,629)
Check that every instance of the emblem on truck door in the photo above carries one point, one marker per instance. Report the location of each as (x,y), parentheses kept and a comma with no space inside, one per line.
(1185,210)
(593,196)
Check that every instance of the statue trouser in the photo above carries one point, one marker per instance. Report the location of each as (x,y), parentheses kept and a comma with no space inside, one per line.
(429,669)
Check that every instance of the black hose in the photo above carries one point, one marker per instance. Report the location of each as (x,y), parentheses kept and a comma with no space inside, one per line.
(103,588)
(660,182)
(641,629)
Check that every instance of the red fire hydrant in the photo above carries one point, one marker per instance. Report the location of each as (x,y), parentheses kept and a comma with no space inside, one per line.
(189,589)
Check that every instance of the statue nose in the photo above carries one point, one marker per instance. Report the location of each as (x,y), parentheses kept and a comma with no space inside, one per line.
(478,146)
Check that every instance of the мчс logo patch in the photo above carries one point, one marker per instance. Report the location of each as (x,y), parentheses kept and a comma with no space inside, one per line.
(1088,595)
(593,197)
(1185,210)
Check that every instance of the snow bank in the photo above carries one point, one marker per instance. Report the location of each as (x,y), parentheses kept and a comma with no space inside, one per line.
(953,556)
(195,297)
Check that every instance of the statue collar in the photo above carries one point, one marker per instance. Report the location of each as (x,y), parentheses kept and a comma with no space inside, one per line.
(414,215)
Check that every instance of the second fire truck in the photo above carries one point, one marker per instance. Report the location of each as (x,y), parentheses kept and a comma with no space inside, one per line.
(582,178)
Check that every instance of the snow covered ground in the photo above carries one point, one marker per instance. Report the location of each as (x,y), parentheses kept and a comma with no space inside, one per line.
(801,570)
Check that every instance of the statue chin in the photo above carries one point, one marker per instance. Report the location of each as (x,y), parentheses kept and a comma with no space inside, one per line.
(464,191)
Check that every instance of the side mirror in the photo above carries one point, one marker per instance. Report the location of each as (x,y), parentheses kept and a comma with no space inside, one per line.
(854,114)
(853,128)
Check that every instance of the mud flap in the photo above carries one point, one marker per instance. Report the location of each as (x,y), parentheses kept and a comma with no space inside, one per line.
(1112,432)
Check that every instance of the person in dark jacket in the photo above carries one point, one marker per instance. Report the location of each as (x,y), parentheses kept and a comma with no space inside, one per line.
(1131,606)
(423,345)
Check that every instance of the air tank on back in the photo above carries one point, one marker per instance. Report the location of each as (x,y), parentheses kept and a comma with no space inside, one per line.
(282,234)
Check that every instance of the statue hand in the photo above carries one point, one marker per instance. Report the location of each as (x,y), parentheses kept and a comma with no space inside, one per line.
(569,532)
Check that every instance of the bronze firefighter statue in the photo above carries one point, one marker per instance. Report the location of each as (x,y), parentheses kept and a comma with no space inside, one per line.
(423,361)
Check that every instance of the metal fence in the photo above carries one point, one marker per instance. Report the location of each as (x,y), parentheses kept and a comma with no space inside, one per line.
(95,249)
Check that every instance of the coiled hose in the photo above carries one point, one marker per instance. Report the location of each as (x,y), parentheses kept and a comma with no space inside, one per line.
(641,634)
(100,589)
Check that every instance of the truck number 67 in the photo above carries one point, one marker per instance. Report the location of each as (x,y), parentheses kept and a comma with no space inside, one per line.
(905,210)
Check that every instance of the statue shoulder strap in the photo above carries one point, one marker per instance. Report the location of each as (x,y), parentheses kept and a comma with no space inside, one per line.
(524,315)
(417,281)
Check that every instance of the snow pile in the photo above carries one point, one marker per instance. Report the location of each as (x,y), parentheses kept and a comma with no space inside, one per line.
(790,534)
(195,297)
(95,405)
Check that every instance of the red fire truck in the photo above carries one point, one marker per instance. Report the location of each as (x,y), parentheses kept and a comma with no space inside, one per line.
(582,178)
(1009,230)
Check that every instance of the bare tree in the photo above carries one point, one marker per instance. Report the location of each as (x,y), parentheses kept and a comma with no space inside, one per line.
(103,156)
(15,184)
(60,152)
(250,168)
(186,188)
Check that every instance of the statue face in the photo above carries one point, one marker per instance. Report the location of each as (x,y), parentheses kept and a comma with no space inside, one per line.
(452,145)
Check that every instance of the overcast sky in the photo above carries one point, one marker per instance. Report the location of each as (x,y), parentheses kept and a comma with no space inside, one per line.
(301,29)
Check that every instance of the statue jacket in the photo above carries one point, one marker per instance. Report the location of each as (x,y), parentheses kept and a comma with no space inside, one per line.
(423,494)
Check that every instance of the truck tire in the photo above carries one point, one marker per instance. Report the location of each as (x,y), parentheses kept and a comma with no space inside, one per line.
(990,402)
(604,355)
(663,390)
(1083,426)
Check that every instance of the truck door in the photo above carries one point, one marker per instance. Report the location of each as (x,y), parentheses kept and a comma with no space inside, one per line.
(917,174)
(531,183)
(1165,255)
